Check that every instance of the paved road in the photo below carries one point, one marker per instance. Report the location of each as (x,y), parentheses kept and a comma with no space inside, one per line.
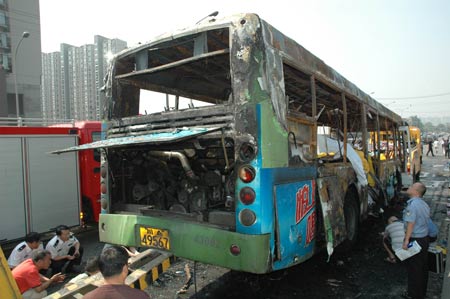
(436,176)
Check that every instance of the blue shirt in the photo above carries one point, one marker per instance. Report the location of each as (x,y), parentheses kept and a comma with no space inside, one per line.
(417,211)
(432,229)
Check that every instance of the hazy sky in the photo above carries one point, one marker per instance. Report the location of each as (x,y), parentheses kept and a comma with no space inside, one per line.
(399,50)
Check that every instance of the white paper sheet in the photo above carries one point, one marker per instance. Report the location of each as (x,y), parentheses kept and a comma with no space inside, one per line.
(403,254)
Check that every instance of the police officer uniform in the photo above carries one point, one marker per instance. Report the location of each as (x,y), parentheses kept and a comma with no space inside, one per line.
(20,253)
(58,247)
(418,211)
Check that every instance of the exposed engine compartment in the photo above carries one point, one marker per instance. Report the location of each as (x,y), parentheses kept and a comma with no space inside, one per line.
(194,179)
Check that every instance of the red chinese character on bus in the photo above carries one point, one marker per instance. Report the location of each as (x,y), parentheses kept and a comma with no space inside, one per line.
(311,228)
(304,202)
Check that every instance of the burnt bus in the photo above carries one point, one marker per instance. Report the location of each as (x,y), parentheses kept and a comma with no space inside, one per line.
(233,169)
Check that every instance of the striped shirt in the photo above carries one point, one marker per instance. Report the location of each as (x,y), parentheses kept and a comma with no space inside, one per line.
(396,232)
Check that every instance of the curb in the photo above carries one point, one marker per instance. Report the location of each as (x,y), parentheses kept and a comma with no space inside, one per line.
(142,277)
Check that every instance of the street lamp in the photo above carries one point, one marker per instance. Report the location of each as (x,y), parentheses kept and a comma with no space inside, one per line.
(25,34)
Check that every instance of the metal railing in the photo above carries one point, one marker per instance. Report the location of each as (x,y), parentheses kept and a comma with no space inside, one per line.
(33,122)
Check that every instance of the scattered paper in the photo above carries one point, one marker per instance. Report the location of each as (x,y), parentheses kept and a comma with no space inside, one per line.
(403,254)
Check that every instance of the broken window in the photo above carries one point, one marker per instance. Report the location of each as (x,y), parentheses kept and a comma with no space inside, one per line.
(182,73)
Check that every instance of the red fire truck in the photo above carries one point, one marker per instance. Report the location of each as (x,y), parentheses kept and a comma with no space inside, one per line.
(39,190)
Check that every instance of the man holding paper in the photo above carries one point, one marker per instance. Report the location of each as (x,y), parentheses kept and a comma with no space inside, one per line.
(416,216)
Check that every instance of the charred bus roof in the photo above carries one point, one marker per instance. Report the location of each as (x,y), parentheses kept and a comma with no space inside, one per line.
(195,62)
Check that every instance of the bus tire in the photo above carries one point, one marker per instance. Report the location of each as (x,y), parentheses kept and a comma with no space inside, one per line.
(399,182)
(351,214)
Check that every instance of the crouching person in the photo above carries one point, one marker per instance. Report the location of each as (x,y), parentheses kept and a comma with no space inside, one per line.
(66,251)
(393,237)
(31,284)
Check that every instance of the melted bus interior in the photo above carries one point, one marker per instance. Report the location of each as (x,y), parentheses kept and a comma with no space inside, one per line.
(329,115)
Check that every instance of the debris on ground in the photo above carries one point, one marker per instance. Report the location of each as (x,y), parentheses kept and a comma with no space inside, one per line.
(188,282)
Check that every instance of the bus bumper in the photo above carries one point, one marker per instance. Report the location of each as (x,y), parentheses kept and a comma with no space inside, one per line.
(192,241)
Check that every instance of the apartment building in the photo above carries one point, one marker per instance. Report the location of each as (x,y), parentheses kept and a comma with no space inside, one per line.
(72,79)
(20,63)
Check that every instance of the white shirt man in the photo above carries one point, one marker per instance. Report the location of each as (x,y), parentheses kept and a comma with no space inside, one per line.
(25,249)
(59,247)
(65,249)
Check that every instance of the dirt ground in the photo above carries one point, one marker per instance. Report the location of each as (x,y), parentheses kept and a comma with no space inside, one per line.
(362,273)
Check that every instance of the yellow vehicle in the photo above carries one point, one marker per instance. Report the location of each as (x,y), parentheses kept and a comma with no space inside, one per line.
(413,147)
(8,285)
(415,153)
(414,133)
(386,147)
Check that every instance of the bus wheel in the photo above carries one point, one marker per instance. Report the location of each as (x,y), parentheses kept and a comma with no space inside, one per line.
(351,214)
(399,183)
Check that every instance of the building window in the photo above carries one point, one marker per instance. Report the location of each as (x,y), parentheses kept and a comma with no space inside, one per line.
(4,61)
(2,19)
(3,40)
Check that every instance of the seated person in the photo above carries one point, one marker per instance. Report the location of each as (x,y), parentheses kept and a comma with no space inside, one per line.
(66,251)
(25,249)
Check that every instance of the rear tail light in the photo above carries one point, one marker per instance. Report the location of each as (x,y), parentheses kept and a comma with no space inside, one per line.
(247,173)
(235,250)
(103,172)
(247,152)
(103,188)
(247,195)
(247,217)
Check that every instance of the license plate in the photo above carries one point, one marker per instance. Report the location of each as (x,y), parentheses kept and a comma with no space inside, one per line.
(154,237)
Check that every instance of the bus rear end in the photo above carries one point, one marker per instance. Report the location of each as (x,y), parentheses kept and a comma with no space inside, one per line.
(184,178)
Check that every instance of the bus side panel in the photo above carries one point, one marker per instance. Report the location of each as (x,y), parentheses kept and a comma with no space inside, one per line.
(332,204)
(273,139)
(296,223)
